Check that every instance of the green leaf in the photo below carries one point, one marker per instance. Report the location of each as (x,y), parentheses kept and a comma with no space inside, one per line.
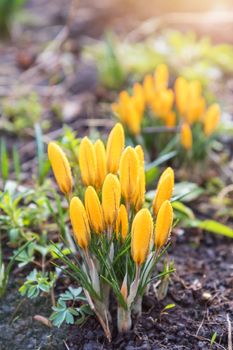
(188,191)
(213,226)
(183,209)
(169,306)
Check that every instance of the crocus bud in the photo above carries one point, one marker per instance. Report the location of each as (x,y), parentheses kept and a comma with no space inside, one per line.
(61,167)
(161,77)
(87,162)
(79,221)
(101,163)
(122,223)
(181,94)
(115,146)
(148,88)
(111,196)
(164,189)
(142,228)
(140,191)
(94,210)
(163,225)
(129,172)
(211,119)
(170,119)
(186,136)
(140,154)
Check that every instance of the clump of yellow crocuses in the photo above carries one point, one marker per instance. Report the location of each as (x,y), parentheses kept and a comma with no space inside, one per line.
(179,111)
(120,238)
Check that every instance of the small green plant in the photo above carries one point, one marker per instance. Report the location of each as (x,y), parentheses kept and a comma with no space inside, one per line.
(68,309)
(22,113)
(8,10)
(5,269)
(38,282)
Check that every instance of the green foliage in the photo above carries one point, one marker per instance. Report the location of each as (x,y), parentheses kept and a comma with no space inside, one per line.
(38,282)
(8,10)
(67,310)
(22,113)
(23,212)
(43,162)
(5,270)
(204,61)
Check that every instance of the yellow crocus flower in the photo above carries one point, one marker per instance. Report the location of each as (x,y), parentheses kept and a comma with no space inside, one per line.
(181,94)
(140,154)
(94,210)
(142,228)
(161,77)
(101,163)
(211,119)
(186,136)
(111,196)
(79,221)
(122,223)
(148,88)
(170,119)
(163,225)
(164,189)
(114,148)
(87,162)
(141,190)
(61,168)
(129,172)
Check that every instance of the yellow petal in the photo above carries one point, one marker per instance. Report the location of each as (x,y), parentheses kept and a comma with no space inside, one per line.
(87,162)
(181,94)
(148,88)
(211,119)
(164,189)
(168,171)
(170,119)
(129,172)
(61,167)
(140,154)
(141,190)
(115,146)
(163,224)
(79,221)
(186,136)
(142,228)
(94,210)
(101,163)
(161,77)
(111,196)
(122,223)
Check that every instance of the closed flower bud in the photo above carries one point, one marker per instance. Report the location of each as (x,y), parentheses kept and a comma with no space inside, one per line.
(181,94)
(141,189)
(115,146)
(163,224)
(161,77)
(168,171)
(101,163)
(122,223)
(142,228)
(61,167)
(94,210)
(186,136)
(140,154)
(129,172)
(211,119)
(111,196)
(87,162)
(148,88)
(170,119)
(164,189)
(79,221)
(139,95)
